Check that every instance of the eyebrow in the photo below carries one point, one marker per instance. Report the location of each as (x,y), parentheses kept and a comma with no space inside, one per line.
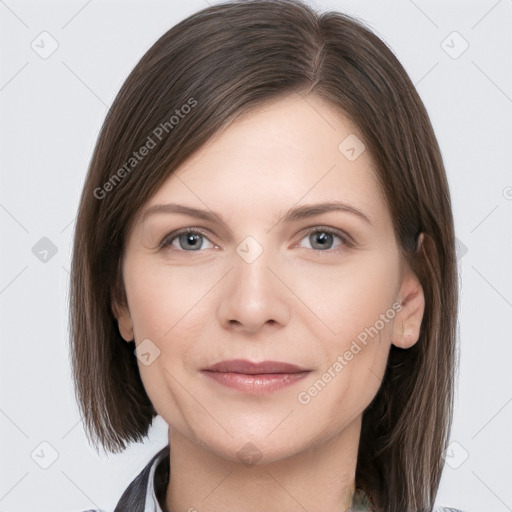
(293,214)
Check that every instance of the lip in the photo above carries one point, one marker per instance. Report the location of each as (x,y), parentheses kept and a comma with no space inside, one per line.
(250,368)
(255,378)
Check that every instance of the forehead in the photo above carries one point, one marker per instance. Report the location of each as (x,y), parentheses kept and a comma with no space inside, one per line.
(297,150)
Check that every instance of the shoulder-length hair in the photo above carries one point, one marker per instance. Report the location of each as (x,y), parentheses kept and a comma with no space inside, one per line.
(214,66)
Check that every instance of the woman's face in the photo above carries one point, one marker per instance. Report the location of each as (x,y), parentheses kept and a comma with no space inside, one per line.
(319,289)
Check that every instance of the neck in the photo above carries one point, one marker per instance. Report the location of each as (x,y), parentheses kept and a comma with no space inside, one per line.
(319,478)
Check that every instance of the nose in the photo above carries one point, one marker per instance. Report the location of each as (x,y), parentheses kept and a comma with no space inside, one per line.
(254,296)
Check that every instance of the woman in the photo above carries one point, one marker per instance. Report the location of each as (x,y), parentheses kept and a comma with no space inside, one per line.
(302,347)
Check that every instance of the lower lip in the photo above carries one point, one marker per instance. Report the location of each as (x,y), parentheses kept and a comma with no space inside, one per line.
(258,383)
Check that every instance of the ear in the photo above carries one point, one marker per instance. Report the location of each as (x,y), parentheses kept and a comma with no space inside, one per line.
(407,325)
(124,321)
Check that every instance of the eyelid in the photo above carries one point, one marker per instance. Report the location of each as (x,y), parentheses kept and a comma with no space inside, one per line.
(166,241)
(345,238)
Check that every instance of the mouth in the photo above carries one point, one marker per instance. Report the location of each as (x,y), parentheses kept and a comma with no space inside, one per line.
(255,378)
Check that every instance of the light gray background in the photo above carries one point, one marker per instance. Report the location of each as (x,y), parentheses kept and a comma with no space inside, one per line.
(51,111)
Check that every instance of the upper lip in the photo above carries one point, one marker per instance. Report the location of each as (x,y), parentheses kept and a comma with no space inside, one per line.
(250,368)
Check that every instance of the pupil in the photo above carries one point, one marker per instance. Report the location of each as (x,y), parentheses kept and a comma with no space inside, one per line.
(323,238)
(190,238)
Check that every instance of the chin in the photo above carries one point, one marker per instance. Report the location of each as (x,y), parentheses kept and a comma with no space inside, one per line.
(247,446)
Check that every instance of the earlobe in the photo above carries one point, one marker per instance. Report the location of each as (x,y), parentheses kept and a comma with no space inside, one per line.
(124,321)
(407,326)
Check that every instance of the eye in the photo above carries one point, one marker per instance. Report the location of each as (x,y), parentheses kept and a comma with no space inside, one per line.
(188,240)
(321,239)
(191,240)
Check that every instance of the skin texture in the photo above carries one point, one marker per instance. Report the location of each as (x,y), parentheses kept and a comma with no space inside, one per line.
(299,302)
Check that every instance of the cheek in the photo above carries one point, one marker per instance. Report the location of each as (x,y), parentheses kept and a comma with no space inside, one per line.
(351,297)
(168,307)
(164,299)
(353,323)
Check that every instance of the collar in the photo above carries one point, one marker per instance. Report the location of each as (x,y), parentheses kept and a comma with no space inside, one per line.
(146,493)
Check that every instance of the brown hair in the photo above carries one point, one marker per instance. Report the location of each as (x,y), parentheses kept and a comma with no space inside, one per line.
(214,66)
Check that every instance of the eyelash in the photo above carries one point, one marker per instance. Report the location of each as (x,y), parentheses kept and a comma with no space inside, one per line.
(345,239)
